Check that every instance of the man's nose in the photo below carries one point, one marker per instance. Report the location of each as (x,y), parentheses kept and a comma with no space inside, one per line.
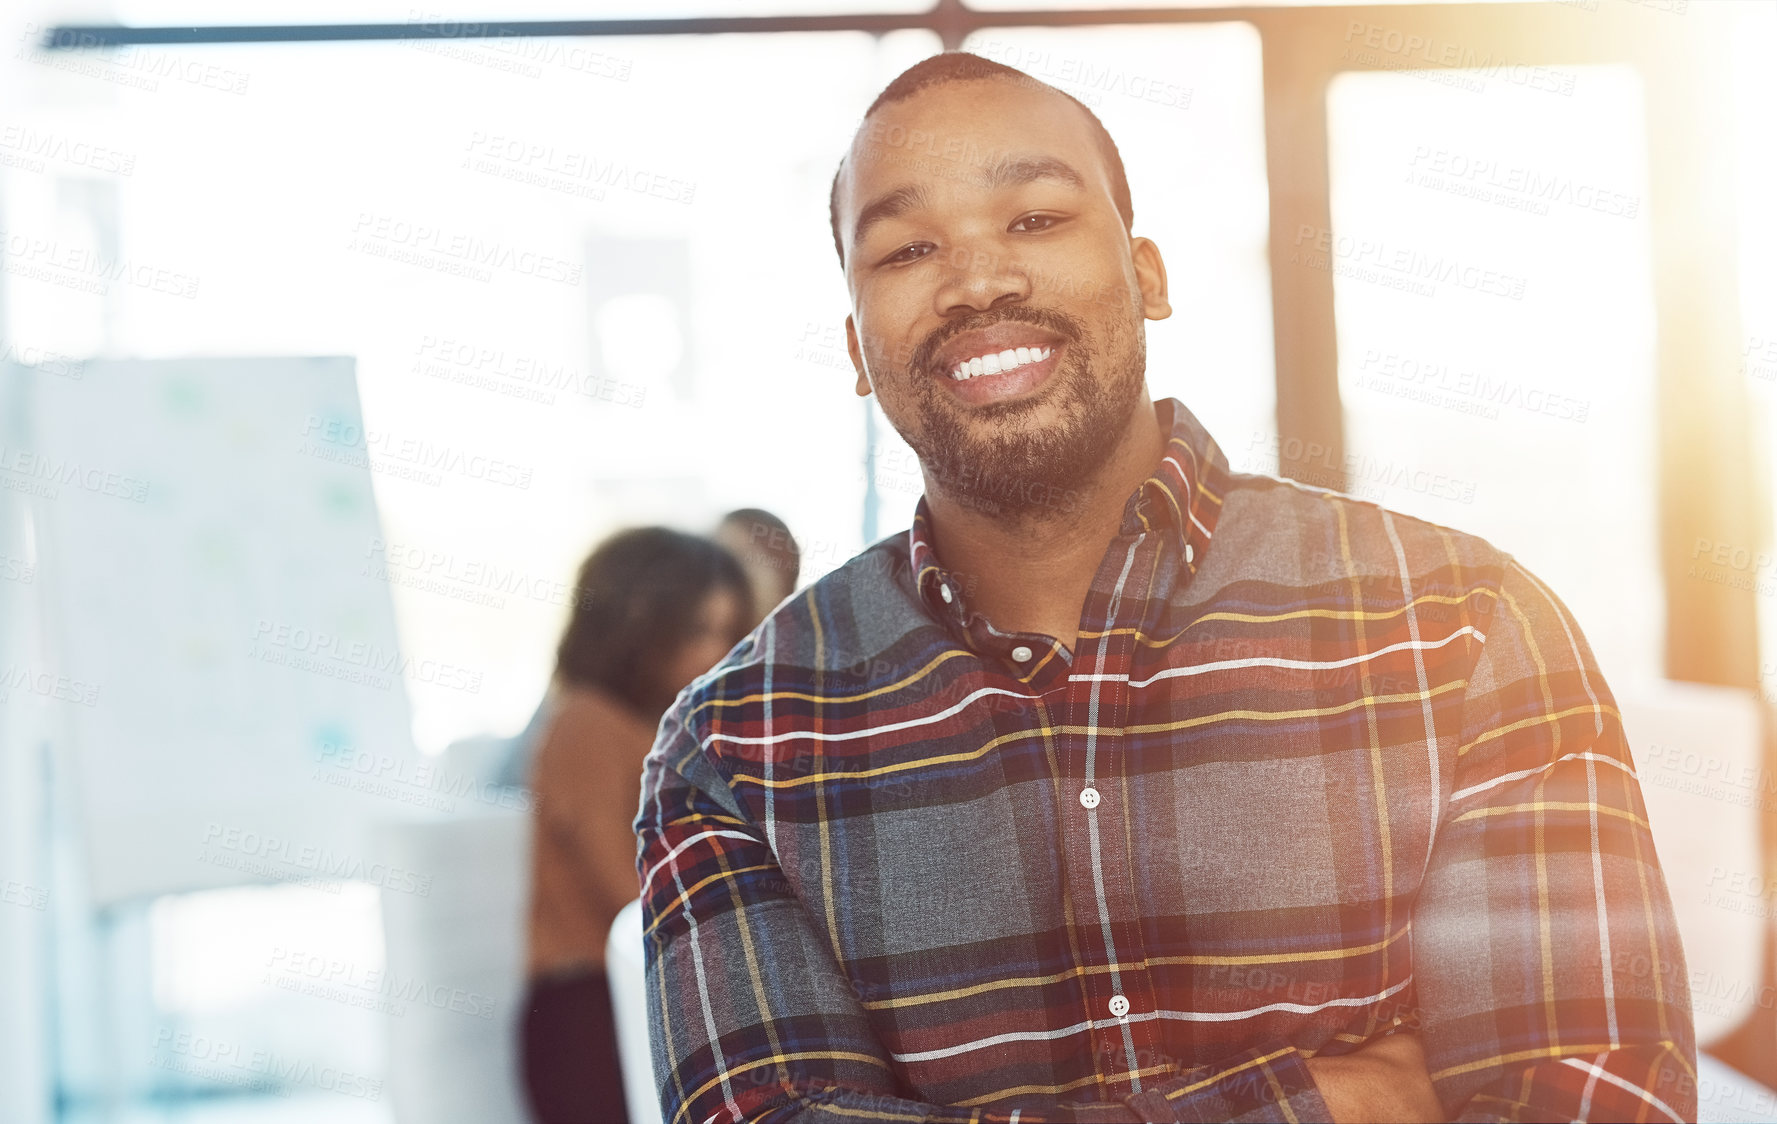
(976,279)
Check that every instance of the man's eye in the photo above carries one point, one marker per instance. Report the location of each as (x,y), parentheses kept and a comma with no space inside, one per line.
(1030,224)
(908,253)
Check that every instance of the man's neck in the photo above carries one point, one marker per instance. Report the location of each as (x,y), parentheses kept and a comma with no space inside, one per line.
(1032,574)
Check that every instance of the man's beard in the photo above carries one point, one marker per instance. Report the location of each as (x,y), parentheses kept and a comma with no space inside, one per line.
(1016,471)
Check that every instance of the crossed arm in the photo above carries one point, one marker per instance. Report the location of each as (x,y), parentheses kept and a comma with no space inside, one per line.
(1542,891)
(1542,884)
(751,1019)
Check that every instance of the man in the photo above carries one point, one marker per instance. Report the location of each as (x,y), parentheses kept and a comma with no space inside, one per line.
(1123,786)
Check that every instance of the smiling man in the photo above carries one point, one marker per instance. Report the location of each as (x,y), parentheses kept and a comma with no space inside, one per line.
(1123,786)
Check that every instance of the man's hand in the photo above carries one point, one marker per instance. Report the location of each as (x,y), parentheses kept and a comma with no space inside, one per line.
(1385,1082)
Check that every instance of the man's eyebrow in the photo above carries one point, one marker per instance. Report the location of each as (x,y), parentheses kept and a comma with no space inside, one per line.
(890,205)
(1008,171)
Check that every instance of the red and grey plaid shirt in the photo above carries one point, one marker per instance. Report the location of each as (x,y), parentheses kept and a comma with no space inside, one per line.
(1314,773)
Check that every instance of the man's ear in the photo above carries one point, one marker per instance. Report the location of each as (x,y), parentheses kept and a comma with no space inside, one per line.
(857,357)
(1150,276)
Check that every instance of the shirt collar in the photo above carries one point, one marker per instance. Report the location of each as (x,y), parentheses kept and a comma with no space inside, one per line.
(1183,497)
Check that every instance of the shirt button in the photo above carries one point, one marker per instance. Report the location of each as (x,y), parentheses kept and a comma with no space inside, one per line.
(944,592)
(1021,653)
(1119,1006)
(1190,553)
(1089,798)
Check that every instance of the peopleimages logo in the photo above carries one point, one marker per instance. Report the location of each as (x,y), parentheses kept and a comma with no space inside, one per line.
(427,567)
(52,472)
(84,269)
(327,977)
(305,648)
(574,172)
(323,862)
(1362,476)
(1390,48)
(1517,187)
(23,894)
(502,48)
(423,783)
(47,685)
(262,1070)
(517,375)
(1375,260)
(432,247)
(42,360)
(1437,383)
(362,445)
(1086,75)
(132,65)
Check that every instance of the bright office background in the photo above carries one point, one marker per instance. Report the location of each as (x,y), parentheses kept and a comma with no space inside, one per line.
(287,181)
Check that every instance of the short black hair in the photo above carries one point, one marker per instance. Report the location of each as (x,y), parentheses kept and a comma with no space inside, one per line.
(770,538)
(961,66)
(637,598)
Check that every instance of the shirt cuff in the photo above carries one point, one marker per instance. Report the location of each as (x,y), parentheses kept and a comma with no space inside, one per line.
(1267,1083)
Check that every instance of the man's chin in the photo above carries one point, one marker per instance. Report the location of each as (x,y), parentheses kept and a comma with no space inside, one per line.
(1010,426)
(1029,458)
(1017,499)
(1038,473)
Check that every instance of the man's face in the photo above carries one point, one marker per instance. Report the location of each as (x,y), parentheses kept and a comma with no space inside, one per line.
(982,240)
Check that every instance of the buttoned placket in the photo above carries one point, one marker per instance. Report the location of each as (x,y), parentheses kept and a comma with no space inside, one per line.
(1097,828)
(1120,998)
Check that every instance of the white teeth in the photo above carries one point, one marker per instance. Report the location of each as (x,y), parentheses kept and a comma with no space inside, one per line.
(996,362)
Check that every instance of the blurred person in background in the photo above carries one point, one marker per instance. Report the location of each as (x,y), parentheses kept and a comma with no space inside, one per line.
(768,553)
(654,609)
(771,560)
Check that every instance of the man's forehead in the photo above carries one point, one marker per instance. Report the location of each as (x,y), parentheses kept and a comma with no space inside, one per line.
(958,130)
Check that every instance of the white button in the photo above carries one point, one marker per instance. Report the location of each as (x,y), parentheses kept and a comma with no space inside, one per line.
(944,592)
(1089,798)
(1021,653)
(1190,553)
(1119,1006)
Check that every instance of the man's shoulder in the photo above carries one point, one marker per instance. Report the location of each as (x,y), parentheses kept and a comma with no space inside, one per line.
(862,605)
(1307,535)
(839,625)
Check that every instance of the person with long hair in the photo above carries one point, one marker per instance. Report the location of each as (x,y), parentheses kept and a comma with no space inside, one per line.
(654,608)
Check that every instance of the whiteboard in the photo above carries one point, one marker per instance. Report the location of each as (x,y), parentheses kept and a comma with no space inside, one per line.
(230,695)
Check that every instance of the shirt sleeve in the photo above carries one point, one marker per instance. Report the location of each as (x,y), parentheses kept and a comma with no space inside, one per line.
(751,1019)
(1543,885)
(1268,1083)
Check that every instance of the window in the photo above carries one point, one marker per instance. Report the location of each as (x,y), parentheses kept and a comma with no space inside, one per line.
(1459,202)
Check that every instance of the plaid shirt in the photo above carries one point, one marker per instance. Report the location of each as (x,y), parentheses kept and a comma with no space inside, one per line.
(1314,773)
